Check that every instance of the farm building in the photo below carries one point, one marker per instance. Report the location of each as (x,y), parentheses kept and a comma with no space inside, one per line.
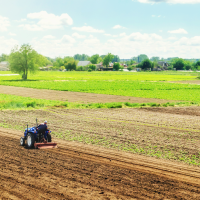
(4,66)
(83,63)
(100,67)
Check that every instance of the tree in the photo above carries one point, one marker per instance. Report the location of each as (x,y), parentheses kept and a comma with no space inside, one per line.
(92,67)
(197,64)
(4,57)
(24,60)
(94,59)
(116,66)
(102,56)
(131,62)
(134,59)
(187,64)
(155,59)
(58,63)
(116,59)
(80,57)
(142,57)
(130,68)
(71,65)
(107,59)
(178,63)
(146,64)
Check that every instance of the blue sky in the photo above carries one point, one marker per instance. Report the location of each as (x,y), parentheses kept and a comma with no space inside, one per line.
(164,28)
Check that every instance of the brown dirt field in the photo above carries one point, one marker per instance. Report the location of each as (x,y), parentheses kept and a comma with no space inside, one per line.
(74,96)
(78,171)
(168,133)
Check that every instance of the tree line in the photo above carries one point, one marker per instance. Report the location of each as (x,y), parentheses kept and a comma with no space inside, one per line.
(25,59)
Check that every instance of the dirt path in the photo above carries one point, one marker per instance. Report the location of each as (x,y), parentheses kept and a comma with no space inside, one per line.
(74,96)
(77,171)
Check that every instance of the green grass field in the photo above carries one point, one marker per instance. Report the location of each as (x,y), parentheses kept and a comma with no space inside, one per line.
(13,102)
(146,85)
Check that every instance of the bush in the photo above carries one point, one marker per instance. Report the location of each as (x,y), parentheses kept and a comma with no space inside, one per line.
(130,68)
(62,68)
(92,67)
(146,64)
(170,68)
(116,66)
(81,68)
(71,65)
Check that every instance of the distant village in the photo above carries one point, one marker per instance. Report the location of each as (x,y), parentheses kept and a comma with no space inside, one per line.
(84,63)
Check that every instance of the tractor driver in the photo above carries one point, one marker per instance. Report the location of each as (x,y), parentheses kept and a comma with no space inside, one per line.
(42,128)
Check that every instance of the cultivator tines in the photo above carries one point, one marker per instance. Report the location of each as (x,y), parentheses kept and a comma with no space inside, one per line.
(46,145)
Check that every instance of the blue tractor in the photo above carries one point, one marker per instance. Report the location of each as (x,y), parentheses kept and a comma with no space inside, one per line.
(33,138)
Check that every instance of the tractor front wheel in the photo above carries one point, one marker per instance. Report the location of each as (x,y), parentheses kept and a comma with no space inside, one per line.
(22,141)
(30,140)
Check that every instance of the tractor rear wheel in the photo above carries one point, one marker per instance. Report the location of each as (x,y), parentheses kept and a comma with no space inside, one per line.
(22,141)
(30,140)
(48,137)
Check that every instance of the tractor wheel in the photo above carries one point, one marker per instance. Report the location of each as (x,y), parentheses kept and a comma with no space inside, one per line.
(22,141)
(30,140)
(48,137)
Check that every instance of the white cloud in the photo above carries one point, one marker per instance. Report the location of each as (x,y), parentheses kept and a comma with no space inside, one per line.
(172,38)
(12,34)
(76,35)
(47,21)
(21,20)
(107,34)
(118,27)
(31,27)
(126,46)
(111,35)
(4,23)
(7,44)
(143,37)
(170,1)
(184,41)
(179,31)
(88,29)
(68,39)
(122,34)
(48,37)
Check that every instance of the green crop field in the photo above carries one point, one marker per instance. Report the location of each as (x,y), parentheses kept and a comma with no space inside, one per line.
(146,85)
(13,102)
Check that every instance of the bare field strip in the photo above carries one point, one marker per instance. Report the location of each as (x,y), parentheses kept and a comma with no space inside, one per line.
(75,96)
(169,133)
(78,171)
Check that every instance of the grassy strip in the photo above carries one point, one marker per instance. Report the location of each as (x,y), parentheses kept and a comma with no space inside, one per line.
(18,102)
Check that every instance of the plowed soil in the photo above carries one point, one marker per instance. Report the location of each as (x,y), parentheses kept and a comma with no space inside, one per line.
(77,171)
(74,96)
